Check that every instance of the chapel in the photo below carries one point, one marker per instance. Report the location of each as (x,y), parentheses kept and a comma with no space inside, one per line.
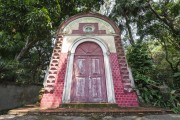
(88,65)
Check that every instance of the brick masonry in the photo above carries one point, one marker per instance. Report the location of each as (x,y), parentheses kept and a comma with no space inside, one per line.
(55,78)
(123,98)
(52,99)
(122,63)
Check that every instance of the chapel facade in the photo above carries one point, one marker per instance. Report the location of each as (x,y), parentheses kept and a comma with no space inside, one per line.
(88,65)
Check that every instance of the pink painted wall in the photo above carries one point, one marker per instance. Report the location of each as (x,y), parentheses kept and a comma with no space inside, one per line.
(123,99)
(54,98)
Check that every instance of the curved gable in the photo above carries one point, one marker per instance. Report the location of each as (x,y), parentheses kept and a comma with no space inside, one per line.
(100,23)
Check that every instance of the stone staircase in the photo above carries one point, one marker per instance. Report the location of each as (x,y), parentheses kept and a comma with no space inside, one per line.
(88,109)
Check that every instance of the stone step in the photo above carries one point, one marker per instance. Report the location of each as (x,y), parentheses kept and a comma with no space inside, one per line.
(89,105)
(65,111)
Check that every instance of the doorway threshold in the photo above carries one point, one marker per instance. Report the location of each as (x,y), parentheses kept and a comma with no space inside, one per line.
(89,105)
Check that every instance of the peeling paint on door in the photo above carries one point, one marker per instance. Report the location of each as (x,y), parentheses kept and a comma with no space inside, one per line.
(88,77)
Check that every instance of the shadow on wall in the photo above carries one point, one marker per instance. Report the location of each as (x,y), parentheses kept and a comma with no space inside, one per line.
(14,96)
(59,84)
(54,99)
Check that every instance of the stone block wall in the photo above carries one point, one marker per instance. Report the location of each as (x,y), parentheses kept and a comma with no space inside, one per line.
(12,96)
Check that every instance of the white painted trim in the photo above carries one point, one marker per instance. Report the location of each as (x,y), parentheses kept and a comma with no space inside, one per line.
(68,79)
(69,70)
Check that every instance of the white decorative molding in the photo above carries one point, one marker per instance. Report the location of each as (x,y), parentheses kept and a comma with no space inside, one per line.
(69,70)
(103,25)
(69,40)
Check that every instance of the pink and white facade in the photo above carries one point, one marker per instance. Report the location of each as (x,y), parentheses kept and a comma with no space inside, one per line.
(88,65)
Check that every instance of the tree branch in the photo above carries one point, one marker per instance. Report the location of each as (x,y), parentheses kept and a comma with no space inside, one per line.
(177,64)
(131,40)
(25,49)
(164,20)
(167,56)
(155,86)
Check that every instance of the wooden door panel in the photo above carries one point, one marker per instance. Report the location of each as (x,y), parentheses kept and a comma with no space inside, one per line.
(95,66)
(97,81)
(95,91)
(79,79)
(88,74)
(80,66)
(80,89)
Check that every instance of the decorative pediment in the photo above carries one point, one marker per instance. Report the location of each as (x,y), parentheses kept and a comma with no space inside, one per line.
(98,26)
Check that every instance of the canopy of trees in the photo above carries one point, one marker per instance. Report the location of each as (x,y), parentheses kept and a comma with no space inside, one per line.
(150,31)
(25,50)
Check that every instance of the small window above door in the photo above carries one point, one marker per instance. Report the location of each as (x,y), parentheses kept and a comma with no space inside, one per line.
(88,29)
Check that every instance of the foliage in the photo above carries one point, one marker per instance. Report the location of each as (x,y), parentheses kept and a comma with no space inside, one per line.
(176,110)
(139,58)
(151,35)
(141,65)
(27,31)
(153,90)
(20,38)
(165,63)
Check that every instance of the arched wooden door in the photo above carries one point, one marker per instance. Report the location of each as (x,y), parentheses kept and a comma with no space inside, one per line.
(88,84)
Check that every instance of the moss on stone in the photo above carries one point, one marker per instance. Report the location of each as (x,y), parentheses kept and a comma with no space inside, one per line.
(89,105)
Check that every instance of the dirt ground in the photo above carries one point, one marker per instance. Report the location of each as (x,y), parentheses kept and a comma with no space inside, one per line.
(92,117)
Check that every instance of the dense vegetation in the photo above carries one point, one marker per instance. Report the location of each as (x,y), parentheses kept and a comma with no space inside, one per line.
(150,31)
(25,50)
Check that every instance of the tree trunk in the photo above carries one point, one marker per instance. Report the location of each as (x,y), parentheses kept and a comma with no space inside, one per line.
(131,40)
(25,49)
